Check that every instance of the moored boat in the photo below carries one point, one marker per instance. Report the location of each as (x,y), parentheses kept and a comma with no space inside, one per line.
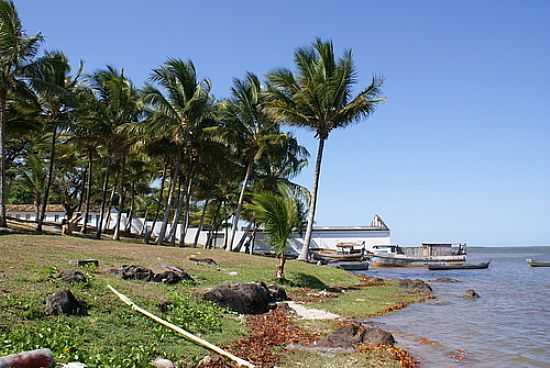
(425,255)
(535,263)
(466,266)
(351,266)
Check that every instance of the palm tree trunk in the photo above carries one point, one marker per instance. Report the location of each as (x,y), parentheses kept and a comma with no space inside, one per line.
(179,202)
(280,275)
(246,234)
(237,215)
(88,191)
(128,227)
(162,182)
(166,216)
(253,241)
(110,206)
(116,233)
(99,225)
(48,182)
(201,222)
(183,230)
(304,253)
(144,222)
(213,224)
(3,186)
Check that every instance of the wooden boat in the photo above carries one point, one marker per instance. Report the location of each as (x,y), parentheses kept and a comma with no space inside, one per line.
(329,256)
(425,255)
(535,263)
(465,266)
(351,266)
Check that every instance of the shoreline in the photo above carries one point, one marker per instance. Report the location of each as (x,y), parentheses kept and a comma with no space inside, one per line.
(32,261)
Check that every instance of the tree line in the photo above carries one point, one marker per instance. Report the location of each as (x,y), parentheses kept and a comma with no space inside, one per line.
(168,150)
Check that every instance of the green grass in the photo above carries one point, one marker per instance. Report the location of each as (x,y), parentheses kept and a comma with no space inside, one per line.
(302,359)
(115,336)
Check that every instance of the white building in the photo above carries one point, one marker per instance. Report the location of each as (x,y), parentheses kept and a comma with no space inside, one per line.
(326,237)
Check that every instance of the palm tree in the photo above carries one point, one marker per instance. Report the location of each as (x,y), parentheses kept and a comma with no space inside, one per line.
(319,96)
(278,213)
(178,111)
(16,48)
(50,78)
(249,130)
(119,105)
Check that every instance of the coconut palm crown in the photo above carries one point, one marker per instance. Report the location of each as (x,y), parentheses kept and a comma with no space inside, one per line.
(319,96)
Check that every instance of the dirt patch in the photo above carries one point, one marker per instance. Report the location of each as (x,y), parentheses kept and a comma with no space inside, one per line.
(312,296)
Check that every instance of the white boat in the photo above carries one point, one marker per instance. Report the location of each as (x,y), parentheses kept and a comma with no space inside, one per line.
(424,255)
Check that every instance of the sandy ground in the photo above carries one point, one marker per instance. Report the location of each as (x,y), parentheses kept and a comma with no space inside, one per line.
(310,313)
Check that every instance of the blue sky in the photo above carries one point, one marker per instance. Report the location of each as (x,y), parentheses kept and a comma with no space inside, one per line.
(459,152)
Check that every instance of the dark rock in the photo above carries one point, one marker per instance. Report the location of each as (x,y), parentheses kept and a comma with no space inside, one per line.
(164,306)
(134,272)
(377,336)
(471,294)
(40,358)
(72,276)
(278,293)
(171,277)
(86,262)
(355,334)
(446,279)
(244,298)
(203,261)
(64,302)
(415,286)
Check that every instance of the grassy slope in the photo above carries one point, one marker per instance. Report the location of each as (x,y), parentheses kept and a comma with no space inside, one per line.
(113,335)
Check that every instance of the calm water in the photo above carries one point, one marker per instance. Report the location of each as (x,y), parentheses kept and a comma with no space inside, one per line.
(509,326)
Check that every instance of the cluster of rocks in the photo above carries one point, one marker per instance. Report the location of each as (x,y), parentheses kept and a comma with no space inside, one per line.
(415,286)
(471,294)
(171,275)
(246,298)
(64,302)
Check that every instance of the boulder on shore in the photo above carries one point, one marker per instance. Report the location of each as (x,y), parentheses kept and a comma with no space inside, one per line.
(72,276)
(471,294)
(172,276)
(355,334)
(244,298)
(415,286)
(162,363)
(64,302)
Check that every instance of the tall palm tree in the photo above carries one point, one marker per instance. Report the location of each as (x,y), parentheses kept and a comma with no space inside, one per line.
(178,110)
(249,129)
(319,96)
(16,48)
(50,78)
(278,214)
(119,105)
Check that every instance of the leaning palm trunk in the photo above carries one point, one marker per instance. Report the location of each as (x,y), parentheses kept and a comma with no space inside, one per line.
(3,187)
(116,233)
(201,222)
(172,234)
(237,215)
(213,225)
(48,182)
(169,204)
(99,226)
(185,225)
(88,190)
(304,253)
(162,181)
(144,226)
(110,206)
(128,227)
(246,234)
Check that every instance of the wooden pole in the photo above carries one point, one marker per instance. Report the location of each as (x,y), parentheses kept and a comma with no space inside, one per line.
(197,340)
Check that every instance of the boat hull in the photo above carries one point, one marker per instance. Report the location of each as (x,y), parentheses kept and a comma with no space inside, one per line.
(446,267)
(535,263)
(352,266)
(403,261)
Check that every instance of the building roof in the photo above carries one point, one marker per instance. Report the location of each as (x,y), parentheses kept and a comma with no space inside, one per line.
(377,224)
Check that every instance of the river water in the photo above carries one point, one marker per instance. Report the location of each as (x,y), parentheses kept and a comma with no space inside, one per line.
(509,326)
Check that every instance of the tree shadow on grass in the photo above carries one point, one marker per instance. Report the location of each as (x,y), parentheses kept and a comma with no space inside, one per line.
(304,280)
